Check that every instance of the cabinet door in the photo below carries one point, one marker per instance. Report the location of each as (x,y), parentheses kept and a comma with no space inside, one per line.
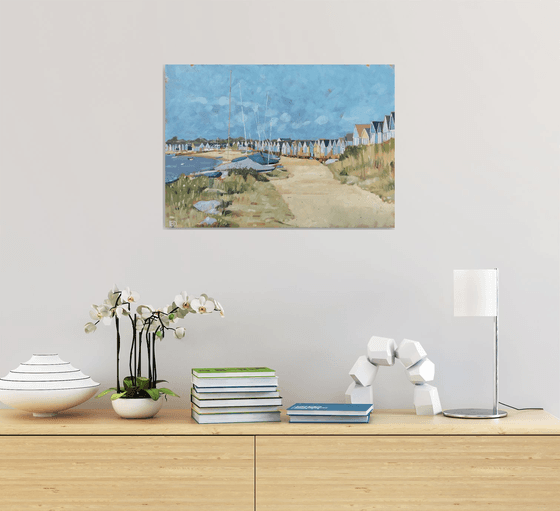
(428,473)
(125,473)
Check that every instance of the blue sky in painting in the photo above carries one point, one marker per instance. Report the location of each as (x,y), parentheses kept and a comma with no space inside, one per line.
(314,101)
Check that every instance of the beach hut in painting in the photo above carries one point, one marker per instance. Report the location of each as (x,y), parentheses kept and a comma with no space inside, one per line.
(376,132)
(317,149)
(361,135)
(336,147)
(392,126)
(386,128)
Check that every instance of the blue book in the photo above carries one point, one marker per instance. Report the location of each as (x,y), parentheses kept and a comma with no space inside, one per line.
(328,409)
(330,419)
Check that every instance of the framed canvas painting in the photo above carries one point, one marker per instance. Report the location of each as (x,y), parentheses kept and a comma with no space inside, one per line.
(270,146)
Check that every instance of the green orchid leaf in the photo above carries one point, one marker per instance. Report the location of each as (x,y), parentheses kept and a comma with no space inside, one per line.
(169,392)
(142,383)
(154,393)
(161,381)
(105,392)
(117,396)
(127,382)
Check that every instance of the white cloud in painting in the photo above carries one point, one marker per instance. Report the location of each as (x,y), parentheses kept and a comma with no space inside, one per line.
(200,100)
(297,125)
(224,100)
(285,117)
(323,119)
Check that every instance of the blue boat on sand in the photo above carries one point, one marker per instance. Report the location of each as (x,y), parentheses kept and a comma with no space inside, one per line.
(260,158)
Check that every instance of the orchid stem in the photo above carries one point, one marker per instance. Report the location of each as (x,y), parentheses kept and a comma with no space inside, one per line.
(118,353)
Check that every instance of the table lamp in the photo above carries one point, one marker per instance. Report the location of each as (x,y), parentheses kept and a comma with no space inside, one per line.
(476,294)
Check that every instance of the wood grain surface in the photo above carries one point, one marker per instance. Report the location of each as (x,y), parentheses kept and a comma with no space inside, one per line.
(115,473)
(179,422)
(505,473)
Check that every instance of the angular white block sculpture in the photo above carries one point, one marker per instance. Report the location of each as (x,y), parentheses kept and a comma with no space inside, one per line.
(410,352)
(357,394)
(422,372)
(363,371)
(381,351)
(426,400)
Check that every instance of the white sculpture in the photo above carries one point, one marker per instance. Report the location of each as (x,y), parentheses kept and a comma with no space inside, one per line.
(419,368)
(422,372)
(426,400)
(363,371)
(410,352)
(357,394)
(381,351)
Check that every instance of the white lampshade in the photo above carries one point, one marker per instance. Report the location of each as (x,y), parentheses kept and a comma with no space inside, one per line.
(476,292)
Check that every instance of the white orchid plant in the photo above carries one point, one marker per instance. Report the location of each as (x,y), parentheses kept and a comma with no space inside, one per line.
(148,325)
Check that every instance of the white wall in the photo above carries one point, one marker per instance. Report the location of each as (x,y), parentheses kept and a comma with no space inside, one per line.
(81,133)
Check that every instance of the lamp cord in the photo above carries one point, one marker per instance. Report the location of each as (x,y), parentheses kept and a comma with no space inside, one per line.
(509,406)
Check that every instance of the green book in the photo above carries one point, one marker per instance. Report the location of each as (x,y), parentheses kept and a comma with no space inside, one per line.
(233,372)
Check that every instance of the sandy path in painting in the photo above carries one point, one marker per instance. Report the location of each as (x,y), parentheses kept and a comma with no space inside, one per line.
(317,199)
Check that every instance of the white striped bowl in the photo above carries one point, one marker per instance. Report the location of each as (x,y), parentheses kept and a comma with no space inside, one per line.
(46,385)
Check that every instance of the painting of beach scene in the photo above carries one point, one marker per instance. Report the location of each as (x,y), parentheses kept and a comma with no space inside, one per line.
(270,146)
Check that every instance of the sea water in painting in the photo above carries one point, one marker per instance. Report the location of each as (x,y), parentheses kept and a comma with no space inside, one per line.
(267,146)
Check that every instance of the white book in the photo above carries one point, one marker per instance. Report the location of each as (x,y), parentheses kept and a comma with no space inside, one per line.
(214,403)
(235,409)
(233,395)
(211,390)
(244,381)
(221,418)
(233,372)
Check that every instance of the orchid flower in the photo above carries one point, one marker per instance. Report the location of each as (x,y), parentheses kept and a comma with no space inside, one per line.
(113,296)
(179,333)
(145,311)
(183,301)
(219,308)
(100,313)
(90,328)
(203,305)
(128,296)
(118,311)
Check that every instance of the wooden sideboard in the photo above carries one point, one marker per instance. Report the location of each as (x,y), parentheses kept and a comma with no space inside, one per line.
(93,460)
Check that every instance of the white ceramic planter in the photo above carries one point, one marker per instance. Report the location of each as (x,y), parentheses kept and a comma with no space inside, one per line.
(142,408)
(46,385)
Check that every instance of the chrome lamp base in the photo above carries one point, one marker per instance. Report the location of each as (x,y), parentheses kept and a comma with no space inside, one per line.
(475,413)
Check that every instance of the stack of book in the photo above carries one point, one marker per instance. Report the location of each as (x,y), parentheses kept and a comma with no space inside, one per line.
(235,394)
(329,412)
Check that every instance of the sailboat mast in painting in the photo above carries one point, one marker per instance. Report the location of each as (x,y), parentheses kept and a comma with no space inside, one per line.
(322,152)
